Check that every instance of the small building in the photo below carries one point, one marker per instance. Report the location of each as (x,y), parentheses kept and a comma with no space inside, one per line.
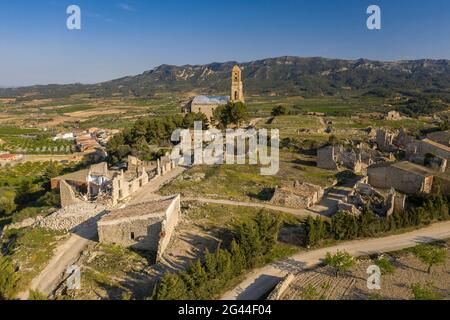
(10,157)
(405,177)
(393,116)
(297,195)
(147,226)
(207,104)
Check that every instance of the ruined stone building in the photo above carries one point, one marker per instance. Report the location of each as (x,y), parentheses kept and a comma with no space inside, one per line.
(363,194)
(427,146)
(297,195)
(147,226)
(441,137)
(207,104)
(98,183)
(393,116)
(356,159)
(405,177)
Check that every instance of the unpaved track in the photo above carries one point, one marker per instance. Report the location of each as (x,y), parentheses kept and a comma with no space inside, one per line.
(297,212)
(65,255)
(260,281)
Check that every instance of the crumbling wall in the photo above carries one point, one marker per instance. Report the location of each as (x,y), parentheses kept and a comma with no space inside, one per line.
(300,195)
(168,225)
(326,158)
(139,234)
(281,287)
(67,194)
(387,177)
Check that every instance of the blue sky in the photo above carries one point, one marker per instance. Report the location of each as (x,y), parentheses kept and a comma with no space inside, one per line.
(121,38)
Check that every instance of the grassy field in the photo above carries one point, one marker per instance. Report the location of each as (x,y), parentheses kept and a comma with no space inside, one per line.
(245,182)
(30,250)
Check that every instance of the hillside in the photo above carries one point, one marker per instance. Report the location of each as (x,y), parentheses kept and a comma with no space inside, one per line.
(283,76)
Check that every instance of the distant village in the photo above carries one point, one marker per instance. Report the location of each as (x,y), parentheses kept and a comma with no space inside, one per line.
(91,142)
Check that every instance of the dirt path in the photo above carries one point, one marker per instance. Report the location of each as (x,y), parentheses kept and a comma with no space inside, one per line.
(298,212)
(65,255)
(260,281)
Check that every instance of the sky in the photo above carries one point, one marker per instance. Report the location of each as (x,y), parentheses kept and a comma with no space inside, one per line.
(119,38)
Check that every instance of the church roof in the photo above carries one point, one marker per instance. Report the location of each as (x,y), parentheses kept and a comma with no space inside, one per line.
(216,100)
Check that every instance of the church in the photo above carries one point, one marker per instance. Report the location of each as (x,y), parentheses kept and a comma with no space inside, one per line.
(207,104)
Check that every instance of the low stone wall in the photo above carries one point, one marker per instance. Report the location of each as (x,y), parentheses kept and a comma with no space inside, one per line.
(168,226)
(281,287)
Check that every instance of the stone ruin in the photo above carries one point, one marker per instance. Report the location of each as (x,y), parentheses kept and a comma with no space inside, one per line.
(101,185)
(297,195)
(356,158)
(393,116)
(425,152)
(363,194)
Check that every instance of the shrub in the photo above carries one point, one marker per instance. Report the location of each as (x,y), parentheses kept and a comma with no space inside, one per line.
(385,265)
(340,261)
(431,255)
(425,292)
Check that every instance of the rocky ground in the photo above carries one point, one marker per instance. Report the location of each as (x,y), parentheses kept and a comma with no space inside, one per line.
(321,283)
(73,217)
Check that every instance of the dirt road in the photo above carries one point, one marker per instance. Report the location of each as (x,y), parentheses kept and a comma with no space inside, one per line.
(260,281)
(296,212)
(65,255)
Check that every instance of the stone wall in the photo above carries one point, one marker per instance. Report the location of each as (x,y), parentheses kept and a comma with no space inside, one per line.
(168,225)
(300,195)
(281,287)
(386,177)
(146,232)
(326,158)
(139,234)
(67,195)
(122,188)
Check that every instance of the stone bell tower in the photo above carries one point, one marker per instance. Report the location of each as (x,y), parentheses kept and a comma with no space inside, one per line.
(237,88)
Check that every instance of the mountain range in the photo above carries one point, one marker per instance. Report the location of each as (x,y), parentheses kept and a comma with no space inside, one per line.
(282,76)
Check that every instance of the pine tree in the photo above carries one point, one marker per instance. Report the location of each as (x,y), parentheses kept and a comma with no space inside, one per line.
(171,287)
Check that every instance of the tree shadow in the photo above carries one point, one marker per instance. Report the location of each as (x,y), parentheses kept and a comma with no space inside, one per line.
(306,163)
(265,194)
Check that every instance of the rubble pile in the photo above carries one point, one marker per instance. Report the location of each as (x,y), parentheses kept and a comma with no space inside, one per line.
(71,217)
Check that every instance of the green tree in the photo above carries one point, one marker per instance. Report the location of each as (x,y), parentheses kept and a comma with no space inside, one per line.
(279,111)
(7,203)
(171,287)
(268,229)
(232,113)
(425,292)
(8,278)
(385,265)
(340,261)
(431,255)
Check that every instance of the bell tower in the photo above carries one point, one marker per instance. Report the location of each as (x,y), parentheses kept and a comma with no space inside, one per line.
(237,88)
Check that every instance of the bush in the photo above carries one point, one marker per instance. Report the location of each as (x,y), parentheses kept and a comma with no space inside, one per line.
(385,265)
(431,255)
(8,278)
(279,111)
(340,261)
(425,292)
(346,226)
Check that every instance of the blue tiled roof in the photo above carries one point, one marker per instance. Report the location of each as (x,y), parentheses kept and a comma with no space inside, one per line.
(211,100)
